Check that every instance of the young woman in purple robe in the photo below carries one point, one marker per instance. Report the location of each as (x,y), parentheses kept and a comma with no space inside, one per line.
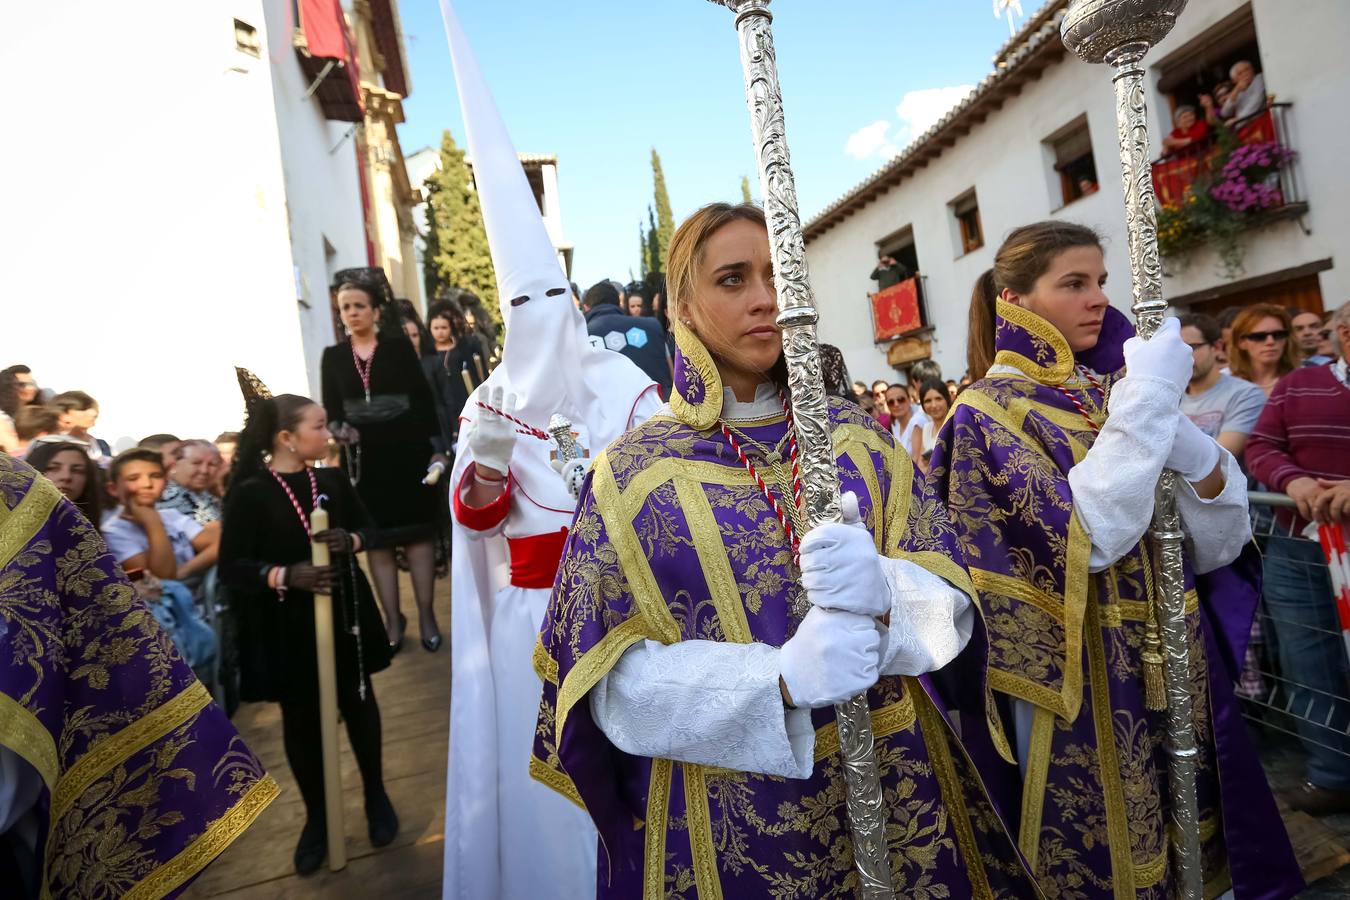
(1048,466)
(696,640)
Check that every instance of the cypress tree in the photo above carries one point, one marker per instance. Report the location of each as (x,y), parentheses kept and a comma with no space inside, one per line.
(665,219)
(457,247)
(655,258)
(644,253)
(745,189)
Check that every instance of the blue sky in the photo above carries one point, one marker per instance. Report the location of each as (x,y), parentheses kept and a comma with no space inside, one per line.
(600,84)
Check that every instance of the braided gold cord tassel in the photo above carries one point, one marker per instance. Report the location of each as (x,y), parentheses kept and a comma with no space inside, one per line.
(1155,693)
(1155,687)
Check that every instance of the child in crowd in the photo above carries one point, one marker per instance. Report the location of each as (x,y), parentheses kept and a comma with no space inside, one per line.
(78,412)
(167,445)
(32,422)
(170,545)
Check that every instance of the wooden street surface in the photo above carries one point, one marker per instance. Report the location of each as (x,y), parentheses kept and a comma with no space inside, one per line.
(414,697)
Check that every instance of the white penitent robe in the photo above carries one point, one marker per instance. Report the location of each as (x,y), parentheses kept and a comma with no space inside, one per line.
(507,836)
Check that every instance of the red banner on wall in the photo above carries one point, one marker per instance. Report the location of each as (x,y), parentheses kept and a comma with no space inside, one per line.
(895,311)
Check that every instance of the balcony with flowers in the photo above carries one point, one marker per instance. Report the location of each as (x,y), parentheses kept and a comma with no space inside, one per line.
(1237,178)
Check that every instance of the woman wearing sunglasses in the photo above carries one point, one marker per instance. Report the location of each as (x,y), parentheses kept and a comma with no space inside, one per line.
(1261,351)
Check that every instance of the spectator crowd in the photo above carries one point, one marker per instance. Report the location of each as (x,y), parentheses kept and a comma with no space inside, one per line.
(1270,384)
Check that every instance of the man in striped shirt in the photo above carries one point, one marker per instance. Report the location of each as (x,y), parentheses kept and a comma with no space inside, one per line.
(1301,446)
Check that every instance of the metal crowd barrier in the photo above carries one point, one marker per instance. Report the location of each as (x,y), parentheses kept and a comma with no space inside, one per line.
(1296,676)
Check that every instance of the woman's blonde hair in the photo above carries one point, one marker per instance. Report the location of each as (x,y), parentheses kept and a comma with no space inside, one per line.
(1240,361)
(686,255)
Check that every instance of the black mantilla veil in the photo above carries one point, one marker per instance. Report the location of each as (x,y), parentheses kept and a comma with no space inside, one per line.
(266,415)
(251,386)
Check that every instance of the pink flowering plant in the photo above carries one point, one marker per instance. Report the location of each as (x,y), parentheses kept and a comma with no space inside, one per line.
(1238,191)
(1248,180)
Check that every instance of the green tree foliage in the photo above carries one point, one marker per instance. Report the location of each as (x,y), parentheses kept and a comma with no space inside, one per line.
(745,189)
(656,259)
(665,219)
(644,255)
(457,254)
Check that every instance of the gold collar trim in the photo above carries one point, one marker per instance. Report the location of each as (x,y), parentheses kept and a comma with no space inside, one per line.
(1052,360)
(696,396)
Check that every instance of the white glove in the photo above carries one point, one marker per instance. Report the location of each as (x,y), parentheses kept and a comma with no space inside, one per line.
(493,437)
(833,656)
(1194,453)
(1165,356)
(573,473)
(841,568)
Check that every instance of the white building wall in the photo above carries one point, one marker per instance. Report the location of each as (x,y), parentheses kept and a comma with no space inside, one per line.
(323,194)
(1004,160)
(145,213)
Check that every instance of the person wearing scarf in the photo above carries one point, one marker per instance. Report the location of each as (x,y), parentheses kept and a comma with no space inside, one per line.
(696,640)
(1048,465)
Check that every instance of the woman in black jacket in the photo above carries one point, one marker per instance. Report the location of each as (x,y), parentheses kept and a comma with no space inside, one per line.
(265,560)
(381,409)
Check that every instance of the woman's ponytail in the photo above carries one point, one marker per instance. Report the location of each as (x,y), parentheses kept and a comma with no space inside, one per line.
(982,326)
(265,419)
(255,441)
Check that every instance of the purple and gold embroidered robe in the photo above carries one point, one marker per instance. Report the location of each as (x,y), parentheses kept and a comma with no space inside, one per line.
(1093,802)
(674,542)
(144,780)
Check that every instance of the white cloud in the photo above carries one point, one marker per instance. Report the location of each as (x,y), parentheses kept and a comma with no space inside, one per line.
(871,140)
(921,110)
(917,112)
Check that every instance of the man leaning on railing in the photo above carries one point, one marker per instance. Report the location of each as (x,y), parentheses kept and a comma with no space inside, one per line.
(1301,446)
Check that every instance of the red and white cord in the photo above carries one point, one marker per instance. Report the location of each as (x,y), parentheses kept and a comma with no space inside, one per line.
(524,427)
(783,518)
(1078,404)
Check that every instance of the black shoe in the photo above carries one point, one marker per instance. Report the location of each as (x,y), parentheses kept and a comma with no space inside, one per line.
(381,820)
(312,849)
(431,644)
(395,646)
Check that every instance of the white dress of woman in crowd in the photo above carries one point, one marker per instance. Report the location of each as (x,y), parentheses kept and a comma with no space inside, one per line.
(507,835)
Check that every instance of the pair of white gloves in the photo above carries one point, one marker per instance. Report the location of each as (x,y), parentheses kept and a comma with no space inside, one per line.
(838,648)
(492,439)
(1168,358)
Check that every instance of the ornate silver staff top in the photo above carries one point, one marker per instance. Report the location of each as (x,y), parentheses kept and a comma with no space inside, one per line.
(560,427)
(1119,33)
(570,463)
(1095,29)
(820,478)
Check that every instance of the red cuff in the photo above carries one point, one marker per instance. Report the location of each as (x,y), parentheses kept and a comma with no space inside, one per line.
(481,518)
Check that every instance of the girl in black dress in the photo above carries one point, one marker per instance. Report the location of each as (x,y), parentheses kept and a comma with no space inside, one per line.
(265,559)
(380,407)
(451,364)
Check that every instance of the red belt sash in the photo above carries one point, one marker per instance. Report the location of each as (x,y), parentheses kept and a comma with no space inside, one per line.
(535,559)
